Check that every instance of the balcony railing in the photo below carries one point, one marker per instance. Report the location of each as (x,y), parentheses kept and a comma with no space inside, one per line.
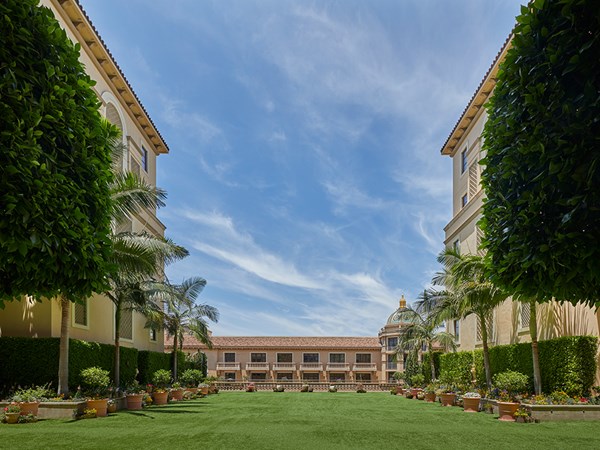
(228,366)
(365,366)
(311,366)
(257,366)
(338,366)
(284,366)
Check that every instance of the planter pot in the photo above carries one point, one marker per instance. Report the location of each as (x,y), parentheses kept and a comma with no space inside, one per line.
(204,390)
(111,408)
(414,392)
(101,406)
(29,408)
(471,404)
(177,394)
(507,410)
(12,417)
(448,399)
(193,390)
(430,397)
(134,401)
(160,398)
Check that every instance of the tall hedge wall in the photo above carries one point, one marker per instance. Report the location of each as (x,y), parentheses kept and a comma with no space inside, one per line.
(150,362)
(567,363)
(426,365)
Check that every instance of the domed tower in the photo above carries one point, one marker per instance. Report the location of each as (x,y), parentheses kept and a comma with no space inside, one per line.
(388,337)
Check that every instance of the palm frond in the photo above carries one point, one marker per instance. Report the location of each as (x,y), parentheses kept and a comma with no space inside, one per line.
(132,194)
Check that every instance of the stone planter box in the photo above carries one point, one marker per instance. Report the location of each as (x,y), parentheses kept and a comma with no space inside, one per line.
(551,413)
(60,410)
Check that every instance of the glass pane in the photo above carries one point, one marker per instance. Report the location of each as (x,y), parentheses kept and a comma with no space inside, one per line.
(229,357)
(337,358)
(284,357)
(364,358)
(258,357)
(311,358)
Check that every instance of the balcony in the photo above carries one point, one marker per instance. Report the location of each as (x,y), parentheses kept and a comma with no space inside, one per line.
(365,367)
(254,366)
(311,367)
(284,366)
(338,366)
(228,366)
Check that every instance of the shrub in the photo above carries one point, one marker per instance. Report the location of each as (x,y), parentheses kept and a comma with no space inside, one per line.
(161,378)
(95,381)
(191,377)
(149,362)
(511,381)
(418,380)
(426,366)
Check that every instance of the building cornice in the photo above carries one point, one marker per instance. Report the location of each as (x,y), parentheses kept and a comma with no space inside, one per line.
(478,100)
(88,37)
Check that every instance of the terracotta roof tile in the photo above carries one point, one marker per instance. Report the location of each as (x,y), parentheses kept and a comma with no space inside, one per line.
(191,342)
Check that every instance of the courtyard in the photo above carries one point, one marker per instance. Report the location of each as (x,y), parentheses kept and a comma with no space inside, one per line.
(293,420)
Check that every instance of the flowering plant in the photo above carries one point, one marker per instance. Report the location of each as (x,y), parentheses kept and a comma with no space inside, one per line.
(471,395)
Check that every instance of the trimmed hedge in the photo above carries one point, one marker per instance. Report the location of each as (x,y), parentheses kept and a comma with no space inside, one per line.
(426,366)
(567,363)
(149,362)
(34,361)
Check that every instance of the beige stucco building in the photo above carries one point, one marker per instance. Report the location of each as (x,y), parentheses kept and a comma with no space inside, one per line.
(311,359)
(510,321)
(94,320)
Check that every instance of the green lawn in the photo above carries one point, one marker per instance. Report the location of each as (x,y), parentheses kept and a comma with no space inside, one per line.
(319,420)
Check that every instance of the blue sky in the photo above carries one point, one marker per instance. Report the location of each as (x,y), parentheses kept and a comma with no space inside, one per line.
(305,174)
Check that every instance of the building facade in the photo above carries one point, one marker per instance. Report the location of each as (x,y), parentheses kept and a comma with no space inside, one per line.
(310,359)
(510,321)
(93,320)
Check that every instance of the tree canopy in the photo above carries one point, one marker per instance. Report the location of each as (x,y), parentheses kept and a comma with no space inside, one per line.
(541,218)
(55,165)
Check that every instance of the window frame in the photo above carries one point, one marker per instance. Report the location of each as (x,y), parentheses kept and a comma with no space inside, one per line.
(304,361)
(74,324)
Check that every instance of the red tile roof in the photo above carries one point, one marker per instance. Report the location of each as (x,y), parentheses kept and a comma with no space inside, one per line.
(220,342)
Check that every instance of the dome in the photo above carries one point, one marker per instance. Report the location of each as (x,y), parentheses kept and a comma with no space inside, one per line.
(396,317)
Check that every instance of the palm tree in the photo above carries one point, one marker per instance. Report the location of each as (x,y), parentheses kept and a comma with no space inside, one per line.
(467,291)
(182,315)
(422,330)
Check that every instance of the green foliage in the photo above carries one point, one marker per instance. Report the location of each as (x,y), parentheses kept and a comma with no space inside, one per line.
(418,380)
(197,361)
(511,382)
(566,364)
(55,162)
(181,361)
(191,377)
(149,362)
(542,176)
(411,368)
(95,381)
(34,361)
(426,365)
(161,378)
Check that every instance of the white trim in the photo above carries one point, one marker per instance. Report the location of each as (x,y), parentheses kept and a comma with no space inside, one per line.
(284,353)
(108,97)
(329,361)
(257,353)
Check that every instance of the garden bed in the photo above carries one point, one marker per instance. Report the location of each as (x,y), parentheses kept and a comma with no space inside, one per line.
(545,413)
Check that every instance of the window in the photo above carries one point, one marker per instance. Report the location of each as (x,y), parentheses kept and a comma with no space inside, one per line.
(230,376)
(363,358)
(337,357)
(134,166)
(525,315)
(310,357)
(489,328)
(363,377)
(284,357)
(392,365)
(457,329)
(144,159)
(340,377)
(310,376)
(80,314)
(152,334)
(126,326)
(463,161)
(456,245)
(229,357)
(464,200)
(390,377)
(258,357)
(474,185)
(258,377)
(392,343)
(285,376)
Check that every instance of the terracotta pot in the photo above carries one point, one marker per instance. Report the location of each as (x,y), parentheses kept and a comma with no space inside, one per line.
(29,408)
(430,397)
(101,406)
(471,404)
(134,401)
(193,390)
(177,394)
(204,390)
(448,399)
(507,410)
(414,392)
(399,390)
(111,408)
(12,417)
(160,398)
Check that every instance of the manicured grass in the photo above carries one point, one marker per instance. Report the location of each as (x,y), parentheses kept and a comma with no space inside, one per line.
(318,420)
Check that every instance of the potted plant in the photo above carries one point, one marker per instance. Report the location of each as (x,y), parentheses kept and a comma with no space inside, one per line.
(332,388)
(29,399)
(399,377)
(360,389)
(416,382)
(135,396)
(95,382)
(511,384)
(203,387)
(447,391)
(111,406)
(251,387)
(12,413)
(471,401)
(430,392)
(522,415)
(212,385)
(279,388)
(191,378)
(176,391)
(161,379)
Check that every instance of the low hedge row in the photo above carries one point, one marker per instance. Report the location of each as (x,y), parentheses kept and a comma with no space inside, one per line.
(34,361)
(566,364)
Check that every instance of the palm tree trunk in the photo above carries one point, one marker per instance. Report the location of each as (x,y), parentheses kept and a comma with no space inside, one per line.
(432,364)
(117,361)
(486,351)
(537,376)
(175,356)
(63,357)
